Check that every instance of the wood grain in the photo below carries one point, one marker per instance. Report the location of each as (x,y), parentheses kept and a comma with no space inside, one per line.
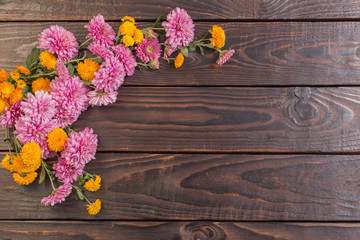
(201,9)
(45,230)
(204,187)
(277,53)
(221,119)
(228,120)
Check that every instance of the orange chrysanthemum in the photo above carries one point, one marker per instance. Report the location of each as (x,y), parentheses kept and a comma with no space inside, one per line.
(16,96)
(179,60)
(57,139)
(94,208)
(138,36)
(87,69)
(41,83)
(20,84)
(218,34)
(3,75)
(93,185)
(48,60)
(24,178)
(3,104)
(6,89)
(14,75)
(23,70)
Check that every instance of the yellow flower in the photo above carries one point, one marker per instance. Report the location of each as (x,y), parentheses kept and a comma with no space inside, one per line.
(20,84)
(127,18)
(23,70)
(127,28)
(128,41)
(6,89)
(93,185)
(57,139)
(16,96)
(94,208)
(24,178)
(7,162)
(87,69)
(179,60)
(3,75)
(41,83)
(138,36)
(48,60)
(14,75)
(218,35)
(3,104)
(31,154)
(19,166)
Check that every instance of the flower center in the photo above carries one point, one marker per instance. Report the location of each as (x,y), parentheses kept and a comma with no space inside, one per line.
(149,49)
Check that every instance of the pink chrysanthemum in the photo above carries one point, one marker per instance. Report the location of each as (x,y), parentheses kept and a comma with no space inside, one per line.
(223,58)
(30,129)
(100,51)
(148,50)
(110,76)
(59,196)
(179,28)
(57,39)
(101,98)
(66,172)
(80,148)
(127,58)
(62,71)
(41,106)
(70,95)
(101,32)
(11,116)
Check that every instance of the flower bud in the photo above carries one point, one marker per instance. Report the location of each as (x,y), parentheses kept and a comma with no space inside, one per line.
(154,64)
(168,51)
(150,34)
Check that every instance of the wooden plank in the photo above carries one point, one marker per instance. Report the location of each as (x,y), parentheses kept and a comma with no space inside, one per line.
(278,53)
(228,120)
(177,230)
(140,9)
(204,187)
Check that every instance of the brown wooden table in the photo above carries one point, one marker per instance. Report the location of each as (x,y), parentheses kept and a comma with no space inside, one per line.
(264,147)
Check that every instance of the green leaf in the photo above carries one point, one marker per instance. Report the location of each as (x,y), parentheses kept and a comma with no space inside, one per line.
(201,50)
(117,40)
(71,69)
(185,51)
(42,175)
(192,47)
(79,195)
(25,90)
(32,57)
(157,21)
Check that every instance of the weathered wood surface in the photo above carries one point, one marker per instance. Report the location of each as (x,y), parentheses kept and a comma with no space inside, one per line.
(204,187)
(46,230)
(30,10)
(228,120)
(275,53)
(221,119)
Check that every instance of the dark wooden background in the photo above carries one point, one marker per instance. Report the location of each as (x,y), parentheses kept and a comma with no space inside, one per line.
(265,147)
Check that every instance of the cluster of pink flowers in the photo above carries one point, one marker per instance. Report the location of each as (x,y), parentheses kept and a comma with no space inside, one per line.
(39,113)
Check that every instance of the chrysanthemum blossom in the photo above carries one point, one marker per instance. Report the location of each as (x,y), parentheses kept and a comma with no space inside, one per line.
(126,57)
(11,116)
(148,50)
(110,76)
(224,57)
(101,32)
(67,172)
(29,129)
(59,196)
(40,106)
(101,98)
(100,51)
(80,148)
(57,39)
(179,28)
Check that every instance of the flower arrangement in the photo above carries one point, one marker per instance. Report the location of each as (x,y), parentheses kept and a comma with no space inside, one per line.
(62,78)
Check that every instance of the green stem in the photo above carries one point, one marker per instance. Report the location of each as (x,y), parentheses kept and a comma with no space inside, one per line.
(7,137)
(79,190)
(78,60)
(158,29)
(50,74)
(17,144)
(85,42)
(49,173)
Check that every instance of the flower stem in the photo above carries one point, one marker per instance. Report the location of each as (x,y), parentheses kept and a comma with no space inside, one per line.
(85,42)
(49,173)
(7,138)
